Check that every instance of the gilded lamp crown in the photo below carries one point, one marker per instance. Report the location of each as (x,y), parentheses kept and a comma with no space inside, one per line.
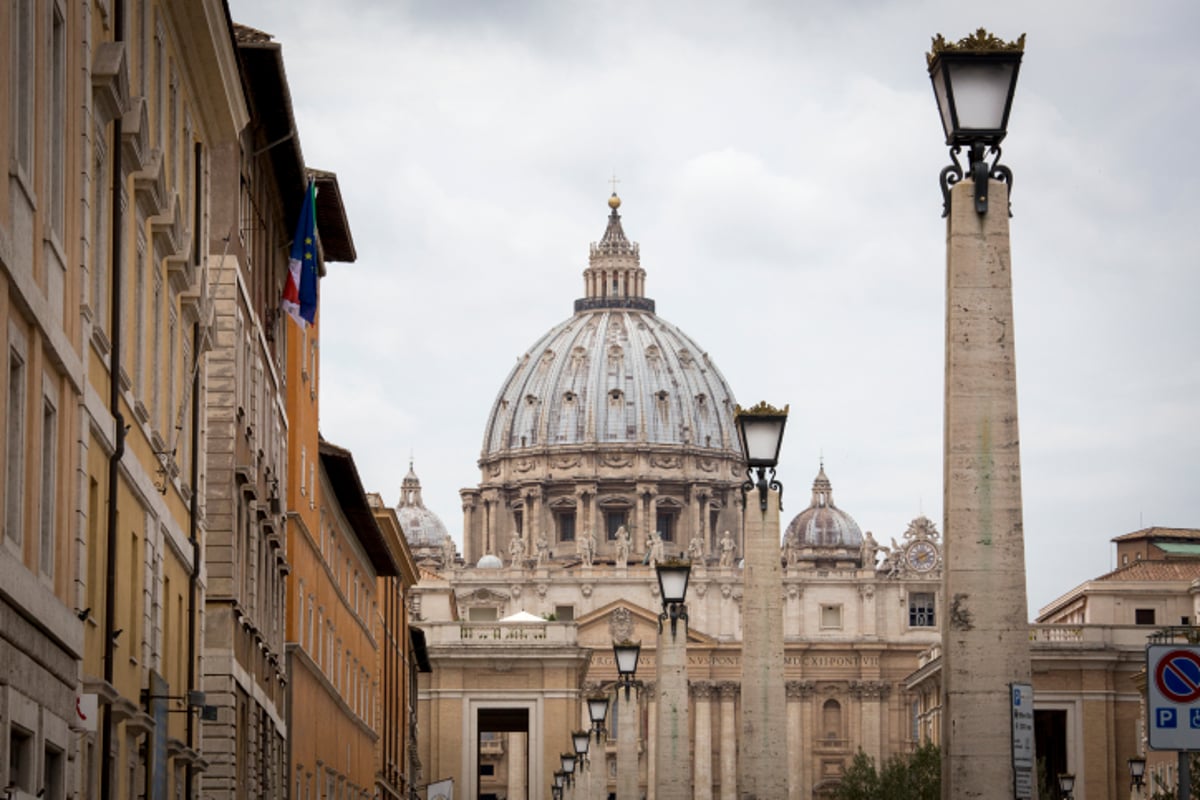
(978,42)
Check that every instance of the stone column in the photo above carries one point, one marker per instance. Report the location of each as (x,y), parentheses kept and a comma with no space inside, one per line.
(795,738)
(652,522)
(517,783)
(702,692)
(762,753)
(729,747)
(985,628)
(673,766)
(651,690)
(468,507)
(873,695)
(807,723)
(537,510)
(627,745)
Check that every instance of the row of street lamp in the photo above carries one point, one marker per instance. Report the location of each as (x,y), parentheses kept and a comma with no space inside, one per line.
(761,433)
(974,81)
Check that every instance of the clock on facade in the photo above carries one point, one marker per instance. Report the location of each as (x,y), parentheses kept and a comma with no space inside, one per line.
(921,556)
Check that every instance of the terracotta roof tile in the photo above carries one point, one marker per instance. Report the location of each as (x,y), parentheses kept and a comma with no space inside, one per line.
(245,34)
(1191,534)
(1153,570)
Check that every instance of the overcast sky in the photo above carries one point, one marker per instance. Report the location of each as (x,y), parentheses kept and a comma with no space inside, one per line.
(778,164)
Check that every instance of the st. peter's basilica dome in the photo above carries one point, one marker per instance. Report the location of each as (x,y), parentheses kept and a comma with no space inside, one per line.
(614,419)
(422,527)
(823,524)
(614,372)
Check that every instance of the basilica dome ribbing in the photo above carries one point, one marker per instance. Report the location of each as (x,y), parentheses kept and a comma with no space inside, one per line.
(614,372)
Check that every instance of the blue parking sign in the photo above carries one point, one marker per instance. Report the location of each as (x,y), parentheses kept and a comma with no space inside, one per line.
(1164,717)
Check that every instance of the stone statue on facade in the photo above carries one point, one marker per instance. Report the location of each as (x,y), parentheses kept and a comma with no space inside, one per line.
(654,553)
(543,550)
(516,552)
(696,550)
(448,553)
(586,548)
(870,548)
(622,546)
(728,549)
(892,559)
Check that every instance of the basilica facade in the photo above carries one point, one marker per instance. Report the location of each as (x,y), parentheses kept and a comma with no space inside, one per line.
(610,446)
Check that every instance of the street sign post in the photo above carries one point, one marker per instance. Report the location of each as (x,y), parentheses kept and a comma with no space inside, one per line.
(1173,696)
(1022,740)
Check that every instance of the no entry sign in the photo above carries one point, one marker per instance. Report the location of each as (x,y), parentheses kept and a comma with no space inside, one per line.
(1173,697)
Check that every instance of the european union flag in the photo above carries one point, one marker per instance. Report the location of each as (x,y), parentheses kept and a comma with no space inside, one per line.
(300,290)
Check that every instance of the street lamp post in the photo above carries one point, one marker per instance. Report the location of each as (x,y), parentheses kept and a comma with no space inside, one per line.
(1137,773)
(597,706)
(581,740)
(1066,785)
(762,745)
(626,654)
(672,752)
(985,629)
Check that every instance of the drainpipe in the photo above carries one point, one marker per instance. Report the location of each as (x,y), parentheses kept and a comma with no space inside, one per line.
(114,461)
(194,578)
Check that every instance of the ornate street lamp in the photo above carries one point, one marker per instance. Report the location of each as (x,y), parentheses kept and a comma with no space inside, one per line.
(1137,772)
(580,740)
(597,712)
(761,431)
(626,655)
(568,767)
(973,81)
(672,583)
(560,780)
(1066,785)
(556,791)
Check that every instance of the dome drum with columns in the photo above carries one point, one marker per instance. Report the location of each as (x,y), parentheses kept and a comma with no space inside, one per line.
(613,418)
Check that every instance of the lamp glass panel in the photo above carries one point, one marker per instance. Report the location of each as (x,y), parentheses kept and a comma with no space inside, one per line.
(673,581)
(581,740)
(943,102)
(568,762)
(1137,767)
(627,658)
(981,93)
(597,708)
(1066,783)
(761,436)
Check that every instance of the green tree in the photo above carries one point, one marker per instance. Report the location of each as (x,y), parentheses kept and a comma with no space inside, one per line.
(911,776)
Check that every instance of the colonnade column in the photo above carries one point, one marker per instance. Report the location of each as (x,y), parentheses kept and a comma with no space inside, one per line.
(534,526)
(702,692)
(517,779)
(808,691)
(872,694)
(627,745)
(795,737)
(729,747)
(468,507)
(651,689)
